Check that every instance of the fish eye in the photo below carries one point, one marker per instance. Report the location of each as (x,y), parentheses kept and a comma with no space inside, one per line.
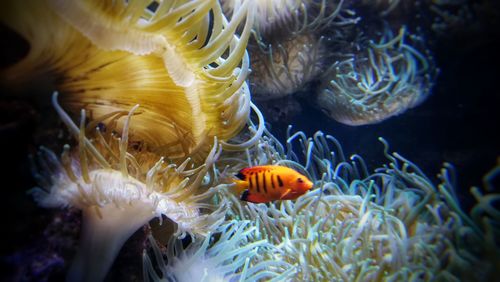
(299,180)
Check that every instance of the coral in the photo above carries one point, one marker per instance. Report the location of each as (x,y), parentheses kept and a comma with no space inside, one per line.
(45,257)
(188,75)
(119,191)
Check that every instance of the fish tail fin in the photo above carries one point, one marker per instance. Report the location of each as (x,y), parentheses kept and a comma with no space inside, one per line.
(226,177)
(237,179)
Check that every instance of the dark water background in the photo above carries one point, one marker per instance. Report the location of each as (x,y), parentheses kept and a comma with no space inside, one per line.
(459,123)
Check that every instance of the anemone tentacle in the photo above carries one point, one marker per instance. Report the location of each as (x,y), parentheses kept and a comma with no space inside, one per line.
(389,79)
(224,255)
(391,223)
(120,190)
(181,61)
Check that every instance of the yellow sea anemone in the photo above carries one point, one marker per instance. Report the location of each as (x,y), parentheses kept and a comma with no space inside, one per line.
(119,189)
(180,60)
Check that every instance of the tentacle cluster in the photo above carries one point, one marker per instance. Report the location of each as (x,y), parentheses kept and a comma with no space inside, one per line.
(226,255)
(393,223)
(180,60)
(104,172)
(388,78)
(285,59)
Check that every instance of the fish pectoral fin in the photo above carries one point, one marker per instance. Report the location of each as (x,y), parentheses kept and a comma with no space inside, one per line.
(253,198)
(283,196)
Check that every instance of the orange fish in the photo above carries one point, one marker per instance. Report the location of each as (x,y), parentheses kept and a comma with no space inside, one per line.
(262,184)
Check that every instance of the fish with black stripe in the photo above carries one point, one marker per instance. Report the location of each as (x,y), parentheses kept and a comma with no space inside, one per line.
(266,183)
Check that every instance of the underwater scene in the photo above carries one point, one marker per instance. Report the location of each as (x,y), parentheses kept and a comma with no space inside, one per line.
(250,140)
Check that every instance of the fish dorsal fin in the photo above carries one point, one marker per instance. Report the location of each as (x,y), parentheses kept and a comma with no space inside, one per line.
(245,172)
(255,169)
(241,175)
